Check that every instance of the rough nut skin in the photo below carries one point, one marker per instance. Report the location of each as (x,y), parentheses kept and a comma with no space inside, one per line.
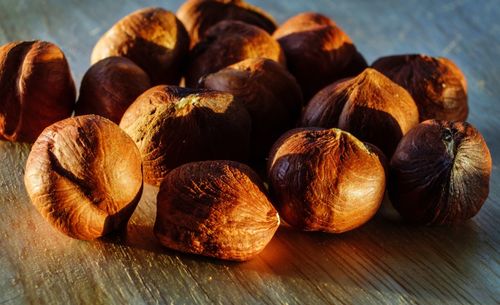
(370,106)
(110,86)
(325,179)
(269,93)
(173,125)
(199,15)
(440,173)
(215,208)
(36,89)
(153,38)
(84,176)
(318,52)
(227,43)
(436,84)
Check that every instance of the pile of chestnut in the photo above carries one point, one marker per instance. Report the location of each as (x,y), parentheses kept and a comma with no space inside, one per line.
(295,105)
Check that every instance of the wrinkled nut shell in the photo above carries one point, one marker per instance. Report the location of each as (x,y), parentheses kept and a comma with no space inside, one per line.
(318,52)
(153,38)
(436,84)
(227,43)
(325,180)
(440,173)
(36,89)
(270,94)
(110,86)
(84,176)
(173,125)
(199,15)
(215,208)
(370,106)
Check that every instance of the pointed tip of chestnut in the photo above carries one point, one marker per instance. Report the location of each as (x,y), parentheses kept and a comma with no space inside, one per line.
(436,84)
(370,106)
(440,173)
(199,15)
(325,179)
(215,208)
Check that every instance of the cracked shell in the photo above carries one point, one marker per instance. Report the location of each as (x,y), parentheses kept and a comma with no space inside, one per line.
(84,176)
(215,208)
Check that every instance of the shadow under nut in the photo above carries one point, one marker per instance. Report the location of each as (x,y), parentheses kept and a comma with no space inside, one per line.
(153,38)
(172,126)
(84,176)
(215,208)
(36,89)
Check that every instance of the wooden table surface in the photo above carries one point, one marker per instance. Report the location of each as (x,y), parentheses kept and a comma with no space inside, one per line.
(383,262)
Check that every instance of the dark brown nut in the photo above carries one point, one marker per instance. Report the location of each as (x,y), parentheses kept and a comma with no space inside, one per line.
(325,180)
(270,94)
(227,43)
(317,51)
(153,38)
(199,15)
(436,84)
(215,208)
(36,89)
(110,86)
(370,106)
(173,125)
(84,176)
(440,173)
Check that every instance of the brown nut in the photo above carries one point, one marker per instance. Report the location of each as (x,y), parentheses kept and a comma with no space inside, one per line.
(440,173)
(318,52)
(215,208)
(436,84)
(199,15)
(153,38)
(270,94)
(173,125)
(227,43)
(370,106)
(110,86)
(36,89)
(325,179)
(84,176)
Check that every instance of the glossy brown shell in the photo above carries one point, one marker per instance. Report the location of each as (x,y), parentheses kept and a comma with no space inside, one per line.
(36,89)
(215,208)
(318,52)
(110,86)
(84,176)
(173,125)
(370,106)
(227,43)
(325,179)
(199,15)
(270,94)
(436,84)
(153,38)
(440,173)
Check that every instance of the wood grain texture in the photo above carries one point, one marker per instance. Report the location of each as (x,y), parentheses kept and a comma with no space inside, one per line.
(382,262)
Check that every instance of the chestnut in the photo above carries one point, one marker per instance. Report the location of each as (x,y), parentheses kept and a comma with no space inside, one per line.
(440,173)
(199,15)
(325,179)
(153,38)
(436,84)
(110,86)
(270,94)
(83,175)
(318,52)
(215,208)
(370,106)
(36,89)
(173,125)
(227,43)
